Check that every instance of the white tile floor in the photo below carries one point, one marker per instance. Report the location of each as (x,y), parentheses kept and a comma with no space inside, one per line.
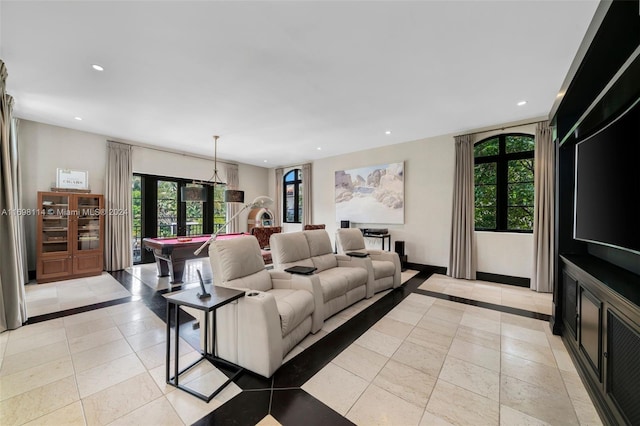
(498,294)
(429,361)
(148,274)
(61,295)
(104,366)
(436,362)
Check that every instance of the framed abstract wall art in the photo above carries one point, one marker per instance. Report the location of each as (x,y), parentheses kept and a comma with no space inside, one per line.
(372,194)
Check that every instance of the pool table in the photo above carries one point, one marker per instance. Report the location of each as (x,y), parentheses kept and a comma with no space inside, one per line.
(171,254)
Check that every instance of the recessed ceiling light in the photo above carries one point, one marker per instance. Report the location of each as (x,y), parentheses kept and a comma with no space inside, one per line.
(522,103)
(97,67)
(388,132)
(78,118)
(319,148)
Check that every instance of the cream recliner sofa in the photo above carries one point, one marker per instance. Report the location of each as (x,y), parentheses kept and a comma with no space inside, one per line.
(386,265)
(343,279)
(278,310)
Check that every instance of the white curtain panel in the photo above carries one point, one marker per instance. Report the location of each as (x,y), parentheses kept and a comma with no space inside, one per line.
(13,272)
(233,182)
(462,261)
(118,236)
(307,207)
(278,200)
(544,205)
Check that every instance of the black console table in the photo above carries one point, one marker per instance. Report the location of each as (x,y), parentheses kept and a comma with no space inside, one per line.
(220,296)
(381,237)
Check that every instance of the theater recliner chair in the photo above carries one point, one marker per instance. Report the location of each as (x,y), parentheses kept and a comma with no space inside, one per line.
(386,265)
(276,313)
(344,280)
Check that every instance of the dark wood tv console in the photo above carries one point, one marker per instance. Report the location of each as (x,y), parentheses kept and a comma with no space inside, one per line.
(601,324)
(596,300)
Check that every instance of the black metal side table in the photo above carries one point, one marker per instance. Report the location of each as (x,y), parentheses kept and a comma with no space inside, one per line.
(380,237)
(220,296)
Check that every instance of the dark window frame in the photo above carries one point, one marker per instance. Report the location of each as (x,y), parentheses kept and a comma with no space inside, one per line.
(502,160)
(149,202)
(297,183)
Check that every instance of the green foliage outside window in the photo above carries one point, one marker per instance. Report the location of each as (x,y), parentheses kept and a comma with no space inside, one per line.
(219,207)
(487,148)
(518,143)
(167,208)
(504,184)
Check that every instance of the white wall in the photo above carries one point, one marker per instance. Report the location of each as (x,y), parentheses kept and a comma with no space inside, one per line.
(253,180)
(44,148)
(429,170)
(429,165)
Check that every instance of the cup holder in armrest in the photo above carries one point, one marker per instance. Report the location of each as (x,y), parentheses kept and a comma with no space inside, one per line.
(252,293)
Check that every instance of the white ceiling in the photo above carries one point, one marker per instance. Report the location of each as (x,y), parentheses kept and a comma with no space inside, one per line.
(277,80)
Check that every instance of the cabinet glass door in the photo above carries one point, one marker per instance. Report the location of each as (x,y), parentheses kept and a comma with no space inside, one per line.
(55,223)
(88,211)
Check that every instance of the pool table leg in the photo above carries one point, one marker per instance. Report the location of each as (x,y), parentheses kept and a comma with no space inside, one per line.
(163,266)
(177,270)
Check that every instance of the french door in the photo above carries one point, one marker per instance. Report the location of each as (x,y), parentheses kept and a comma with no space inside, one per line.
(159,211)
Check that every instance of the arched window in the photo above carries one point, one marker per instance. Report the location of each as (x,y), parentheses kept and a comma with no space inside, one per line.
(292,197)
(504,186)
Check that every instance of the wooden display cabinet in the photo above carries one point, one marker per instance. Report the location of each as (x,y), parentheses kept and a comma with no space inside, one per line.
(70,235)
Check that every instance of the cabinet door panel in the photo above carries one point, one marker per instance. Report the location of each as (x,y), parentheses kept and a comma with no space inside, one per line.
(591,330)
(623,369)
(54,267)
(569,304)
(86,264)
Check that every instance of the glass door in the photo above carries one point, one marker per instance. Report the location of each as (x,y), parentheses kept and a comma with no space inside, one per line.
(194,215)
(167,211)
(88,211)
(159,211)
(55,223)
(136,216)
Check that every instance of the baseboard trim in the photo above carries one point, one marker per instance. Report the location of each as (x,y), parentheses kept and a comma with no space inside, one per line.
(482,276)
(504,279)
(426,268)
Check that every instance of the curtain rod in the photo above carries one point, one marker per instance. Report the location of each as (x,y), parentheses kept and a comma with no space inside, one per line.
(502,128)
(170,151)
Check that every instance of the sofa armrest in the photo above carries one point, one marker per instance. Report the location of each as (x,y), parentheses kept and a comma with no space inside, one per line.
(248,333)
(391,257)
(310,283)
(359,262)
(259,333)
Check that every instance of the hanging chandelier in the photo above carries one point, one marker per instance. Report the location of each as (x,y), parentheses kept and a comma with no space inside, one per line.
(198,191)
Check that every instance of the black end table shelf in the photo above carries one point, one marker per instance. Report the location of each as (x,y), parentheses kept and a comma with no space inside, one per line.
(380,237)
(220,296)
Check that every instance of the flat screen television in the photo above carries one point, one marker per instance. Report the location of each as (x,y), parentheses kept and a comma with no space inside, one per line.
(607,195)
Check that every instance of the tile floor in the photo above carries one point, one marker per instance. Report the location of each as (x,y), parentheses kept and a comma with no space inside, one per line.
(427,361)
(148,274)
(62,295)
(104,366)
(483,291)
(436,362)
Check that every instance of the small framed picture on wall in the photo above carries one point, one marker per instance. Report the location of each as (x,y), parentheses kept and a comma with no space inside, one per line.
(72,179)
